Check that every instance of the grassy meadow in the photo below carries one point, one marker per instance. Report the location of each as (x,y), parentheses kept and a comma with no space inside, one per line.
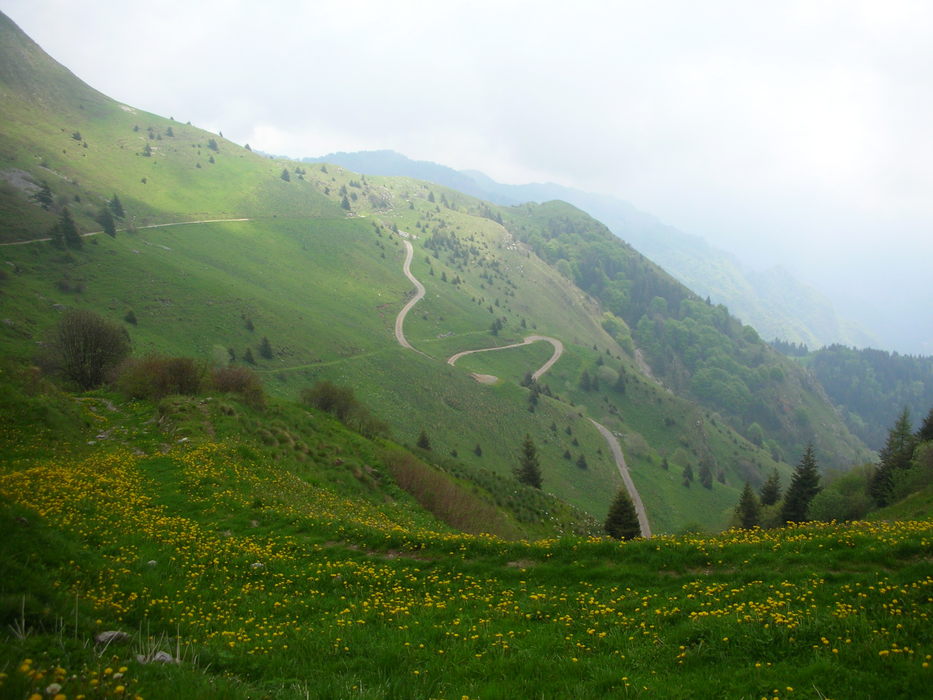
(263,584)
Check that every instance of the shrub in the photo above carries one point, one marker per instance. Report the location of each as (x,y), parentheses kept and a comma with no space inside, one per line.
(339,401)
(242,381)
(155,377)
(84,347)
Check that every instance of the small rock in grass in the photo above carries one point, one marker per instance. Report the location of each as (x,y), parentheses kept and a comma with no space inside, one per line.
(111,637)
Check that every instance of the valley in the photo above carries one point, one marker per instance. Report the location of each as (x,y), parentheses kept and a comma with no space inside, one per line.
(267,426)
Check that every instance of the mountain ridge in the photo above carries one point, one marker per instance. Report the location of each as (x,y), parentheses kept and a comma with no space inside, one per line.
(771,300)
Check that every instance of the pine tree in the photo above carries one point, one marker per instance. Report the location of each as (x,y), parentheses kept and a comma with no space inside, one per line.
(894,456)
(771,490)
(265,348)
(747,511)
(423,441)
(804,485)
(248,357)
(528,471)
(44,196)
(926,428)
(69,230)
(116,207)
(706,475)
(622,520)
(286,175)
(105,219)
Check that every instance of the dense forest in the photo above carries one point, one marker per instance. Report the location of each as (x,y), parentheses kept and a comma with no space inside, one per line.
(872,387)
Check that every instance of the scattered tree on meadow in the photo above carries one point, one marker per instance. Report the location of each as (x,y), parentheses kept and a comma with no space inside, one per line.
(581,462)
(804,485)
(478,451)
(116,206)
(622,520)
(706,474)
(286,175)
(529,471)
(69,230)
(248,357)
(212,144)
(85,346)
(748,511)
(424,442)
(107,223)
(44,196)
(688,475)
(265,348)
(345,203)
(771,490)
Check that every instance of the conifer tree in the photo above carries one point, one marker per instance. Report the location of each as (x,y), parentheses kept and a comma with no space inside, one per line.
(804,485)
(69,230)
(622,520)
(926,428)
(265,348)
(116,207)
(423,441)
(105,219)
(771,490)
(896,454)
(44,196)
(748,511)
(528,471)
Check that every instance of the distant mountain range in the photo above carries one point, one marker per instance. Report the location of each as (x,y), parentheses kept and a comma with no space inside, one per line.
(773,301)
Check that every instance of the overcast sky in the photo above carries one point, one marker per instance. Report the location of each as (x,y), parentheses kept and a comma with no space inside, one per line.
(798,133)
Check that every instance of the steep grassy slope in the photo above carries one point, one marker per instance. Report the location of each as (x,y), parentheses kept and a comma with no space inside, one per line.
(316,269)
(278,563)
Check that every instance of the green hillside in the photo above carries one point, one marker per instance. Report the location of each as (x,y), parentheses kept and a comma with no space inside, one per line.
(273,496)
(315,269)
(270,555)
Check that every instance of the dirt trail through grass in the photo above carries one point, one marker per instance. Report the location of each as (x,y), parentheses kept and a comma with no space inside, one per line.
(626,477)
(138,228)
(419,294)
(614,445)
(558,351)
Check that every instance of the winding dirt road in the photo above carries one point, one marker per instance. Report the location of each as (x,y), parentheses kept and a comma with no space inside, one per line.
(123,230)
(614,445)
(626,477)
(558,351)
(419,295)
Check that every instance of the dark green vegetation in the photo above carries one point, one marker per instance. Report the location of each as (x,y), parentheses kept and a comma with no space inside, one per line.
(872,387)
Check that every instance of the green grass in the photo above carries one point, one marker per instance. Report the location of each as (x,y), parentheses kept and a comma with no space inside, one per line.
(276,576)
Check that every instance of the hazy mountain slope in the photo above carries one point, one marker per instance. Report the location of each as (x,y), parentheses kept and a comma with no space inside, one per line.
(872,387)
(317,271)
(773,301)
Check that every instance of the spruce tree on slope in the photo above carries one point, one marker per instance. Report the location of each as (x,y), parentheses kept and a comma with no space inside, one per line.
(771,490)
(926,428)
(528,471)
(622,521)
(804,485)
(894,456)
(748,511)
